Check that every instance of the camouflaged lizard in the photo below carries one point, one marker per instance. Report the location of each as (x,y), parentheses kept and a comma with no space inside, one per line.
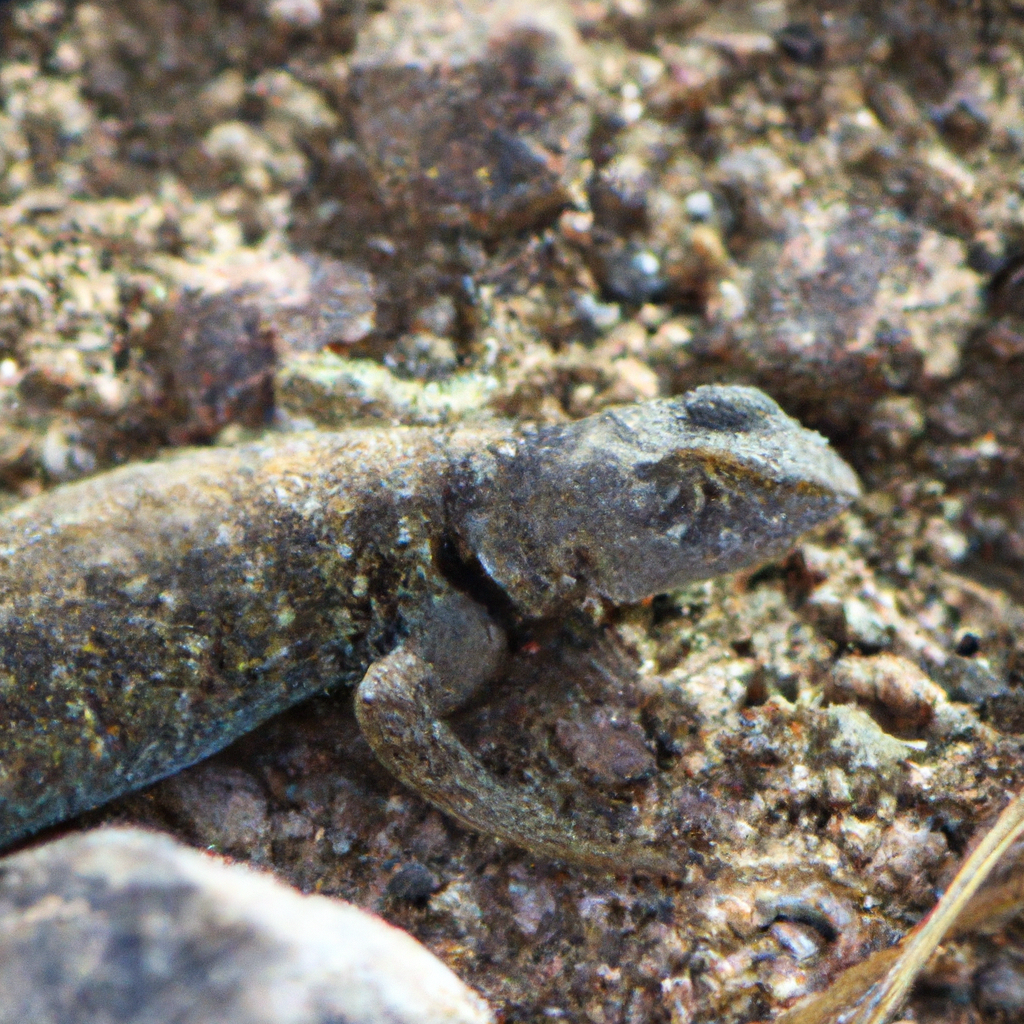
(151,615)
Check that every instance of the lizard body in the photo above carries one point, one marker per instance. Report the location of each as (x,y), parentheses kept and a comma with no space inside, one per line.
(151,615)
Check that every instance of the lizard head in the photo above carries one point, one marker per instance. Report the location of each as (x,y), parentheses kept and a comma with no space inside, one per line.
(641,499)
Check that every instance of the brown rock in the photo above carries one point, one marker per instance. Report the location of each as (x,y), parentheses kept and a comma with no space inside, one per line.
(612,751)
(219,362)
(863,299)
(225,810)
(471,114)
(892,686)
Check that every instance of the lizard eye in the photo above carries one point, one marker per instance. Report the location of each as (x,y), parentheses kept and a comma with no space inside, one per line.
(735,410)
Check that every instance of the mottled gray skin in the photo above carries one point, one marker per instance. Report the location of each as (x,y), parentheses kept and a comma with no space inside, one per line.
(151,615)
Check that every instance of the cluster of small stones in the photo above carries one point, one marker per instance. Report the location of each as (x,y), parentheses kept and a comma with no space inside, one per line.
(216,218)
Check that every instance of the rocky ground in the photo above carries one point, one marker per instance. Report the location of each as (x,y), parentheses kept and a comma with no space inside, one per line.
(217,219)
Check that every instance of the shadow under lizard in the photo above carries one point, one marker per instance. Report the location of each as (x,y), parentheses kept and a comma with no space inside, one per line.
(151,615)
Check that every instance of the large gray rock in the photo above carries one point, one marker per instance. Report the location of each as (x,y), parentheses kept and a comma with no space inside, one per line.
(121,926)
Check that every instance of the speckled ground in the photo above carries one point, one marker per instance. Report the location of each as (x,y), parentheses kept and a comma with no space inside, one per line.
(222,218)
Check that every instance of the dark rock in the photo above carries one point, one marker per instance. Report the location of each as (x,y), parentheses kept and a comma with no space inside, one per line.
(124,926)
(963,122)
(611,751)
(1006,711)
(970,680)
(217,358)
(1000,985)
(631,273)
(801,43)
(968,645)
(1006,293)
(471,114)
(413,883)
(965,117)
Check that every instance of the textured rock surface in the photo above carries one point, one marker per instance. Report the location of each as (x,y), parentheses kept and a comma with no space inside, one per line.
(125,926)
(864,300)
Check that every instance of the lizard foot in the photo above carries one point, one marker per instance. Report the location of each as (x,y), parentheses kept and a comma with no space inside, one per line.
(401,725)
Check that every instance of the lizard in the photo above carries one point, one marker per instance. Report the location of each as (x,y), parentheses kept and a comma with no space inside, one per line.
(153,613)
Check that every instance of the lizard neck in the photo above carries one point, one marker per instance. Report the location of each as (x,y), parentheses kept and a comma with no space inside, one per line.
(507,505)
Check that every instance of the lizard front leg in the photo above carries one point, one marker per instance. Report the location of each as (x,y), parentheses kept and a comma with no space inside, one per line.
(398,704)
